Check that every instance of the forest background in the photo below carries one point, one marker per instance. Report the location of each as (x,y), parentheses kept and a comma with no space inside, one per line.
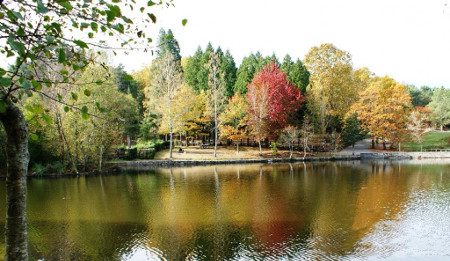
(207,99)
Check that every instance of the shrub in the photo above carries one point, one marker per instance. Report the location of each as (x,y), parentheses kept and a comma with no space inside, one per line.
(274,148)
(131,154)
(147,153)
(38,169)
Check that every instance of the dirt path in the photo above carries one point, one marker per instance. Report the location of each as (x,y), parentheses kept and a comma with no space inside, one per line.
(360,147)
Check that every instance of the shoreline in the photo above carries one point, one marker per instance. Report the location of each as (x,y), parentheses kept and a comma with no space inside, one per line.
(112,168)
(149,164)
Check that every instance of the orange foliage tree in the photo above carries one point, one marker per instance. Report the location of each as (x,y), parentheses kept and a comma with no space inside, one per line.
(233,120)
(384,108)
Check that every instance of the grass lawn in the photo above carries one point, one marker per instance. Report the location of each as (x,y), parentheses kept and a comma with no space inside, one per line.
(433,140)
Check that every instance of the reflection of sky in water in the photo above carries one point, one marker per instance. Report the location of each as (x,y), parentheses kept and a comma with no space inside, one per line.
(140,253)
(421,231)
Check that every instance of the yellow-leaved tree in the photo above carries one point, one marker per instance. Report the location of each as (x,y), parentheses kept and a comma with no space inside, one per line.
(233,120)
(383,109)
(164,92)
(331,90)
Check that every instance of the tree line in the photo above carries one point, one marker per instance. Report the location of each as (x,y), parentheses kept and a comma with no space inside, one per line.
(206,98)
(266,99)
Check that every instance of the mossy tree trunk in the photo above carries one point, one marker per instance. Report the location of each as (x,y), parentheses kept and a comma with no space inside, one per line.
(17,157)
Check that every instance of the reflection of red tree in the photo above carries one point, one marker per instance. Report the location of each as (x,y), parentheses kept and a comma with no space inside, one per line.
(274,222)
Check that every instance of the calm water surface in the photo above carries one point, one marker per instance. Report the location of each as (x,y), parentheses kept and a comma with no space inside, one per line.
(320,211)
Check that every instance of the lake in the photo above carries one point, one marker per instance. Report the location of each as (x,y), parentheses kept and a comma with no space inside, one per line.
(313,211)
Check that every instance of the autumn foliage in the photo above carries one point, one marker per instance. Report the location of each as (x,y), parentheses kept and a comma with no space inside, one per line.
(272,100)
(383,109)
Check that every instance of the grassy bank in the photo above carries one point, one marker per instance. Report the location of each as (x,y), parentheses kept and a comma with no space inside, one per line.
(432,141)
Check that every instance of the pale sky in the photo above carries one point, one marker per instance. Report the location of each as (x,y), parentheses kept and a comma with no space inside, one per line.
(409,40)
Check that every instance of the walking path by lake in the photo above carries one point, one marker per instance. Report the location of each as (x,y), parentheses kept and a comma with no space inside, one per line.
(361,146)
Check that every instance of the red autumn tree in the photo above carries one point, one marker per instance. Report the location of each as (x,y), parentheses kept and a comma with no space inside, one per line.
(273,102)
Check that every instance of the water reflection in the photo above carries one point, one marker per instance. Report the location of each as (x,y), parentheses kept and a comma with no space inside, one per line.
(341,210)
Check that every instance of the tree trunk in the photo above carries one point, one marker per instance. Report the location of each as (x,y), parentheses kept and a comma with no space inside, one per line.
(128,141)
(291,149)
(215,126)
(260,148)
(17,157)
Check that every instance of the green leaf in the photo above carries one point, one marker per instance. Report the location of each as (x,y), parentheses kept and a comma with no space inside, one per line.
(47,118)
(50,39)
(74,96)
(91,35)
(65,4)
(2,107)
(87,92)
(80,43)
(47,82)
(13,14)
(5,82)
(110,16)
(34,136)
(153,17)
(20,32)
(84,113)
(99,82)
(184,22)
(57,27)
(26,84)
(61,55)
(66,109)
(127,20)
(64,72)
(36,85)
(94,27)
(150,3)
(118,27)
(83,26)
(116,10)
(59,97)
(142,9)
(41,8)
(18,46)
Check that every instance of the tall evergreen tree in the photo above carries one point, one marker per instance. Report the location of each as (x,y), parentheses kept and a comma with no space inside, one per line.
(125,82)
(296,72)
(168,43)
(245,73)
(192,71)
(228,68)
(250,66)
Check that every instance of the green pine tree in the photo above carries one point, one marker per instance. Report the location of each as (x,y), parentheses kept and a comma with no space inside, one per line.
(352,131)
